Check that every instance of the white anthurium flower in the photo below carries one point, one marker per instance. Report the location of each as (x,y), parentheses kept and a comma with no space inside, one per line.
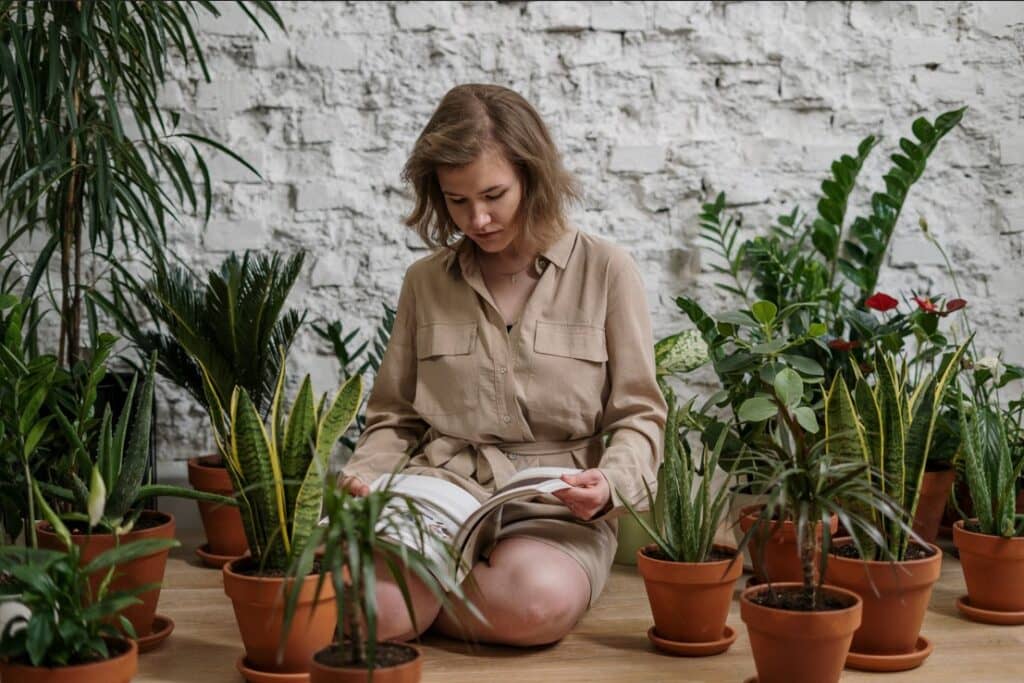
(992,364)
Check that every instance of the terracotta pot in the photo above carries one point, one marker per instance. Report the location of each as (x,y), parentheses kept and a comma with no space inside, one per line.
(222,524)
(935,490)
(409,672)
(149,569)
(779,561)
(119,669)
(689,600)
(993,569)
(892,619)
(800,647)
(259,611)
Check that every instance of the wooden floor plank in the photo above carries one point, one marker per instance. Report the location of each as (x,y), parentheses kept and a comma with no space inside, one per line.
(609,644)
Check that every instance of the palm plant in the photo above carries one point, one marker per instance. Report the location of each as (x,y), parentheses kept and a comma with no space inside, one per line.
(356,530)
(890,426)
(68,71)
(232,326)
(278,469)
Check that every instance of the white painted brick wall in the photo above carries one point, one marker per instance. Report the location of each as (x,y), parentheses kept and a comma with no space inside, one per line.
(656,105)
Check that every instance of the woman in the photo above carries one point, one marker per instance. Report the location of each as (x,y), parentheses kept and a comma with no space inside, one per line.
(520,342)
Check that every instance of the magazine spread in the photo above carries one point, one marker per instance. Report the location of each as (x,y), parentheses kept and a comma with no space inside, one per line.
(455,516)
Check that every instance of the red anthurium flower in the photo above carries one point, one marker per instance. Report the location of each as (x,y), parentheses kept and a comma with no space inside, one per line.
(955,305)
(843,345)
(926,305)
(881,302)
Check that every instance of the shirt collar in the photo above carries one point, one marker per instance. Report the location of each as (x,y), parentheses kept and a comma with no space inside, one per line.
(557,253)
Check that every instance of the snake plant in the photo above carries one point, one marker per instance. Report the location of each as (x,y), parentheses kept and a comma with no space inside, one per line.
(117,467)
(889,426)
(278,468)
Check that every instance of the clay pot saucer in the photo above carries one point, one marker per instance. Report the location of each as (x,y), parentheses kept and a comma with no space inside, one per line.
(257,676)
(987,616)
(676,647)
(211,559)
(162,627)
(884,663)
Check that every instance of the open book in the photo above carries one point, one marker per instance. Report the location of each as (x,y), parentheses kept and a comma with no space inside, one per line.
(456,517)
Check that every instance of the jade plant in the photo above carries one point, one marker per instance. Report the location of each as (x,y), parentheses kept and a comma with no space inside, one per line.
(278,468)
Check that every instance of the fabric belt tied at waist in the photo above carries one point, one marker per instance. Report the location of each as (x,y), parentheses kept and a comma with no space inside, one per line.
(490,461)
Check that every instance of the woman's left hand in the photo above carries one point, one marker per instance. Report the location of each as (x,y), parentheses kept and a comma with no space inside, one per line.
(589,494)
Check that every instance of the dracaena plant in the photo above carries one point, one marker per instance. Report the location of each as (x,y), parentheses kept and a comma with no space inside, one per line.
(75,79)
(278,468)
(357,530)
(890,425)
(802,479)
(66,623)
(116,465)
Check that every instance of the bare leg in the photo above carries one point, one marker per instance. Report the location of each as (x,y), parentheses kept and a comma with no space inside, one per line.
(393,622)
(530,593)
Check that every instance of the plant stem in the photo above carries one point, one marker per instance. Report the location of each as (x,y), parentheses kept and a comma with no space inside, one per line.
(31,505)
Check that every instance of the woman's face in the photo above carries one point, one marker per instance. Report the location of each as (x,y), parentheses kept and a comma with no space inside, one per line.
(483,199)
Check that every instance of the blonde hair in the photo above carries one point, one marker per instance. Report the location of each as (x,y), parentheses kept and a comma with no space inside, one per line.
(473,118)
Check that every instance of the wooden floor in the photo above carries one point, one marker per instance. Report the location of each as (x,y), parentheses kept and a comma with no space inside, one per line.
(609,644)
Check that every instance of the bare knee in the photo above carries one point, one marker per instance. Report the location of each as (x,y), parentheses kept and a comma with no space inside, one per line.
(543,609)
(393,619)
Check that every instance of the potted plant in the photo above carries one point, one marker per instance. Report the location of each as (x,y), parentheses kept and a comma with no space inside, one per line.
(67,634)
(277,470)
(992,544)
(688,578)
(807,483)
(892,427)
(232,324)
(108,510)
(69,164)
(355,531)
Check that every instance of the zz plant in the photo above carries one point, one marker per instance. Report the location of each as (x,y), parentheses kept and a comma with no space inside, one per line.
(278,468)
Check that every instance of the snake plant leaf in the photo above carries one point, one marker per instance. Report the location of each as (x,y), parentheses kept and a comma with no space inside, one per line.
(260,476)
(133,464)
(113,469)
(331,426)
(299,439)
(887,394)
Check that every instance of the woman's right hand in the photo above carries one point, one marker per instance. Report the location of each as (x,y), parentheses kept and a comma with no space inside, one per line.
(354,485)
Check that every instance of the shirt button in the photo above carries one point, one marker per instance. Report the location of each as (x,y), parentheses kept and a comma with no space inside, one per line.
(507,419)
(503,369)
(512,456)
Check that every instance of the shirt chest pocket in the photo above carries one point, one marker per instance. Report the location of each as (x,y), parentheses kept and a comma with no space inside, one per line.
(570,370)
(447,375)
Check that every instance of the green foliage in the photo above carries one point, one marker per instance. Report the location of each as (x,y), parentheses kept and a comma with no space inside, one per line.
(992,470)
(358,530)
(67,72)
(891,426)
(278,468)
(232,325)
(68,625)
(341,345)
(111,500)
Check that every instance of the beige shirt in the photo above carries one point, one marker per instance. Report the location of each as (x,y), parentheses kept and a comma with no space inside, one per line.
(465,394)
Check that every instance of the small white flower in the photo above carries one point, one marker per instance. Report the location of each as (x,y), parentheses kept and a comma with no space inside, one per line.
(992,364)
